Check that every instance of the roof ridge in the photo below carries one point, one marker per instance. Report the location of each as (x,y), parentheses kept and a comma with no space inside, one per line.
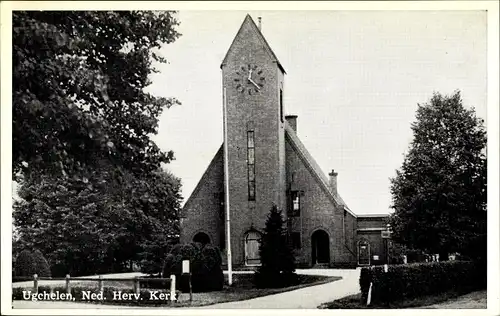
(204,175)
(261,37)
(309,159)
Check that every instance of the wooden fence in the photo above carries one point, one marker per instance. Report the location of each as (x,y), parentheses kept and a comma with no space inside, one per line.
(136,282)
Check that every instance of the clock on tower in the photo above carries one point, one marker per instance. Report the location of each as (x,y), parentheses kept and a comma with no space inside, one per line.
(249,79)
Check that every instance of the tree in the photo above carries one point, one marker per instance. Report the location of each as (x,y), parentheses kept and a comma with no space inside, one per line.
(277,261)
(93,192)
(79,80)
(439,194)
(97,224)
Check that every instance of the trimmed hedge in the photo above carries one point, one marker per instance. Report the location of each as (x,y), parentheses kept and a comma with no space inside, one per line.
(205,266)
(420,279)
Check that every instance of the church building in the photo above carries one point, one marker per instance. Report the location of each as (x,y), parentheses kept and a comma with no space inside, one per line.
(268,165)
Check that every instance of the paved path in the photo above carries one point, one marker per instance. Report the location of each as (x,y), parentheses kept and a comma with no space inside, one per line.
(308,297)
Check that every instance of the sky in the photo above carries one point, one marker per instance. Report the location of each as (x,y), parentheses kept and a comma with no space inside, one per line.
(354,78)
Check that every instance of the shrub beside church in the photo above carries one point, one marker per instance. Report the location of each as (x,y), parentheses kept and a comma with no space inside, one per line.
(205,266)
(277,261)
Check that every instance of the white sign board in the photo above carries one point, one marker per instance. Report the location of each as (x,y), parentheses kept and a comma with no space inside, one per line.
(185,266)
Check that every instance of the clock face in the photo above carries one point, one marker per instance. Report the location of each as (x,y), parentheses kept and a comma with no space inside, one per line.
(249,79)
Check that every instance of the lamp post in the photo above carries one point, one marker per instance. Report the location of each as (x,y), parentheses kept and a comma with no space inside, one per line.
(226,194)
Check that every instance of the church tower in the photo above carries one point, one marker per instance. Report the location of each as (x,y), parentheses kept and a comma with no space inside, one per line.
(253,89)
(265,164)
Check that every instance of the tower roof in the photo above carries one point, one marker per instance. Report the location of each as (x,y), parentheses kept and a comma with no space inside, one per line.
(249,21)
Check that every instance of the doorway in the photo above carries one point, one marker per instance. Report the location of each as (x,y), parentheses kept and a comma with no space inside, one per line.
(202,238)
(320,247)
(363,253)
(252,245)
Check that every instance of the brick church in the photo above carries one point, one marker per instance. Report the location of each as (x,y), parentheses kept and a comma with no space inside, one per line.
(268,165)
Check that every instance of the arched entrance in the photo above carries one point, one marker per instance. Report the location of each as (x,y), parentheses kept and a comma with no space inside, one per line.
(202,238)
(320,247)
(363,252)
(252,244)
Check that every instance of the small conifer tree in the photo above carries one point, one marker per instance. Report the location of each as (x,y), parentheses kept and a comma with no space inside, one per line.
(277,261)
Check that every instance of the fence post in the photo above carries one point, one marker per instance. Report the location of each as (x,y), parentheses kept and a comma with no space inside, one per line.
(101,286)
(137,288)
(68,289)
(172,288)
(35,283)
(190,288)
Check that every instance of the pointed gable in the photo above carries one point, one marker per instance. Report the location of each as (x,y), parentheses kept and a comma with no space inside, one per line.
(216,162)
(249,22)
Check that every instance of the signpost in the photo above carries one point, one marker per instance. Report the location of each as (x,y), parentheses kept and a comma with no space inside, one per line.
(186,270)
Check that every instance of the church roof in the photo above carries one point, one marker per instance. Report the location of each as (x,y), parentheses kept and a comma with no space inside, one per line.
(314,167)
(204,177)
(248,20)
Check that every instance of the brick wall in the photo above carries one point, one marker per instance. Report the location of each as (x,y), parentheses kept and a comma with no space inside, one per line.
(318,211)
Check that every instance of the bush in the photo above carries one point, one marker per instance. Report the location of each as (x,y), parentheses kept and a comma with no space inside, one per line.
(42,266)
(420,279)
(153,255)
(28,263)
(25,265)
(205,266)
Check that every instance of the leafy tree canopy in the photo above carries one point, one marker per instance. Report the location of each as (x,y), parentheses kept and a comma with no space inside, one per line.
(78,89)
(93,193)
(439,193)
(100,223)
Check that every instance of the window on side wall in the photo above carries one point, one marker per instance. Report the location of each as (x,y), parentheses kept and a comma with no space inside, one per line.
(295,204)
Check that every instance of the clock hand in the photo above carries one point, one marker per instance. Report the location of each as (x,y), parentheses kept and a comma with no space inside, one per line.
(250,74)
(253,82)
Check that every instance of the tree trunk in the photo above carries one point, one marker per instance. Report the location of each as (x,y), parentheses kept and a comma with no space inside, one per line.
(443,255)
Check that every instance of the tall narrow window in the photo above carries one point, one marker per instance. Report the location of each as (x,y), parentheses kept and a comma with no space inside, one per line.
(281,105)
(251,165)
(295,207)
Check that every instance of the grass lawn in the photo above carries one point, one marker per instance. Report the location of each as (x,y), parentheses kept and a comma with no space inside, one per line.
(472,300)
(450,299)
